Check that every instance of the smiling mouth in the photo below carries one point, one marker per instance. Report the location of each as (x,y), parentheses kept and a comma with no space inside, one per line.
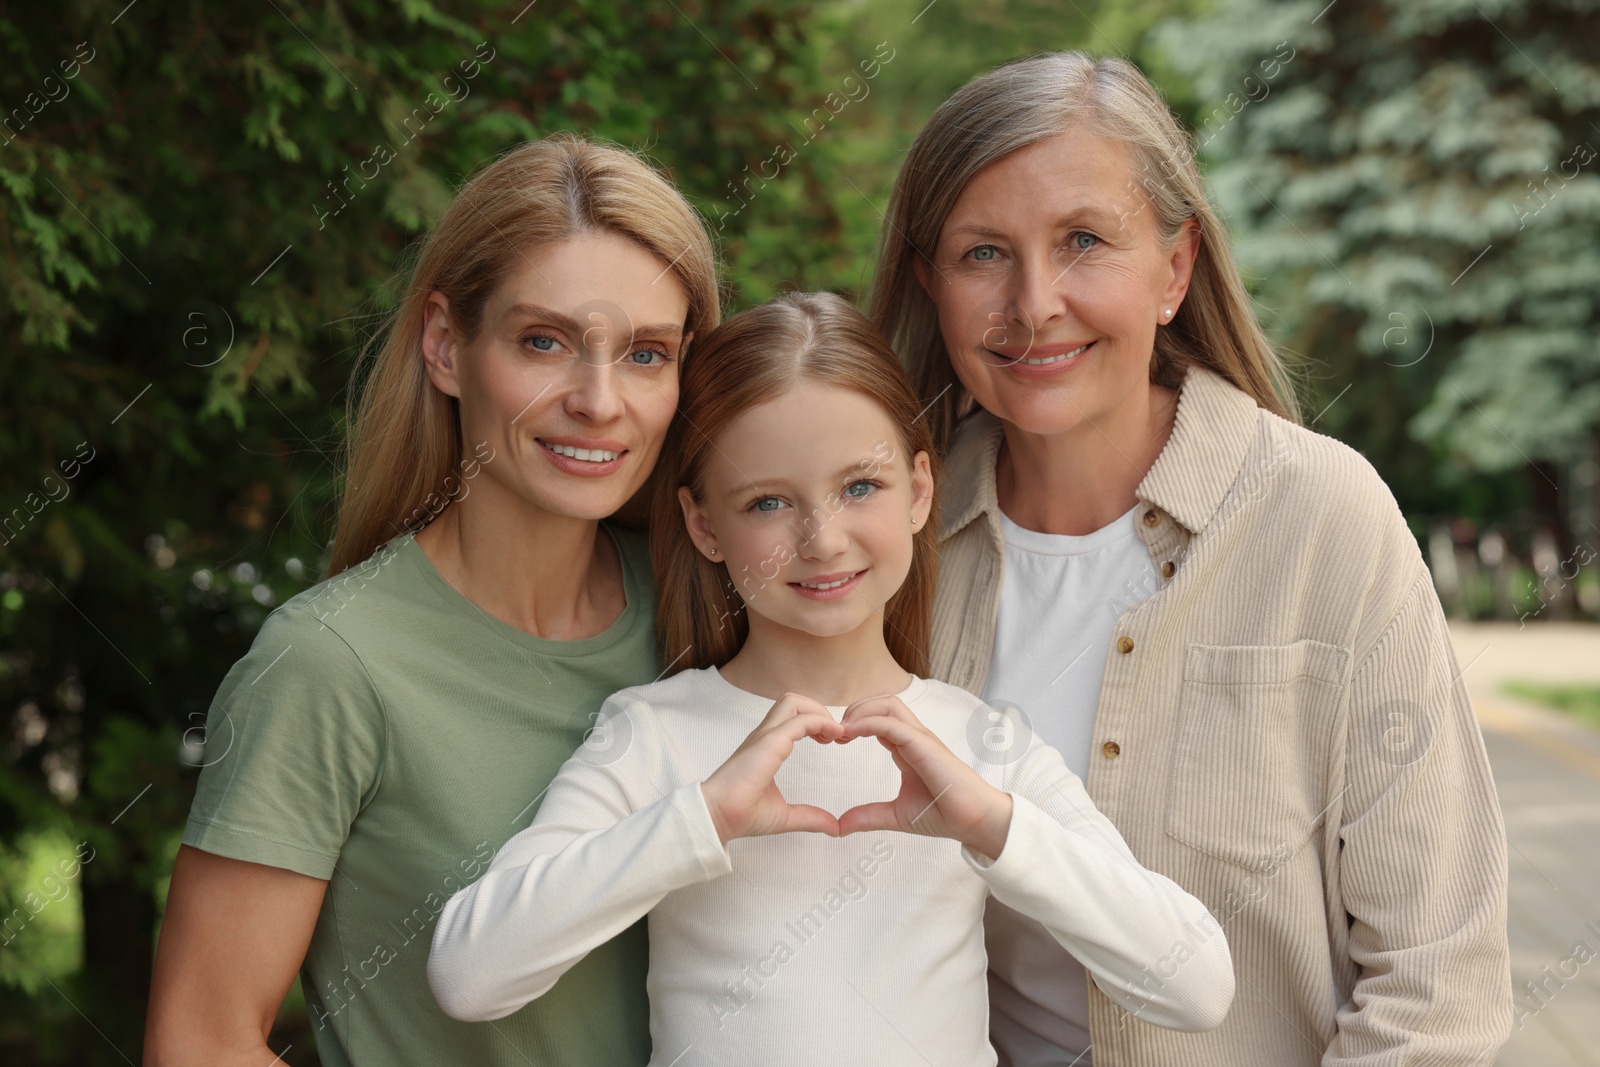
(1044,361)
(824,586)
(585,455)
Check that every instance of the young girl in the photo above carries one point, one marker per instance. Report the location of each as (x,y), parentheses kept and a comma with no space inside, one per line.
(796,613)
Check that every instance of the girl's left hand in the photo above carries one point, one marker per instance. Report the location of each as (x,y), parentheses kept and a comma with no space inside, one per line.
(940,796)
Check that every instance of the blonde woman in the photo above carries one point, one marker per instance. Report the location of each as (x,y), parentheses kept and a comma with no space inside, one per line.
(393,726)
(1218,616)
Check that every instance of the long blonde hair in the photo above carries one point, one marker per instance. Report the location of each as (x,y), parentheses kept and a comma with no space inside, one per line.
(404,440)
(754,357)
(1022,103)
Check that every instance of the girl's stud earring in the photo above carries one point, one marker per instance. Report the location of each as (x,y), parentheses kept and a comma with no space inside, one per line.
(913,522)
(713,552)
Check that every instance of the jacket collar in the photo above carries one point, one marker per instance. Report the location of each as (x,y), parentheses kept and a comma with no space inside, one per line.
(1215,423)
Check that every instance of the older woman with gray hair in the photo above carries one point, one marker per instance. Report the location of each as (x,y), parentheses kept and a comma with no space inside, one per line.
(1219,616)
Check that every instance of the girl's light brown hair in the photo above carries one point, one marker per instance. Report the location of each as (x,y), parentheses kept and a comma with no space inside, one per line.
(1022,103)
(753,358)
(404,439)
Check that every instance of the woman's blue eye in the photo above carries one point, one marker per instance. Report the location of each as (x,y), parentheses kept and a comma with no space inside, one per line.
(984,253)
(541,342)
(1075,241)
(649,353)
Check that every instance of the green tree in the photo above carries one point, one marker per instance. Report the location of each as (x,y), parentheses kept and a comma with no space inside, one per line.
(939,46)
(1416,187)
(201,206)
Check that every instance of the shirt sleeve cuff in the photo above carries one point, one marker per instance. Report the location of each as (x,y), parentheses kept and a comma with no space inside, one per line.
(1022,839)
(705,844)
(235,843)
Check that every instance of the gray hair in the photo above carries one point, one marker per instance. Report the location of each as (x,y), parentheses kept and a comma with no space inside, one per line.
(1021,103)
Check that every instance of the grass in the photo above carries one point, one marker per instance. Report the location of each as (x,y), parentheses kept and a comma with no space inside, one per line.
(1582,701)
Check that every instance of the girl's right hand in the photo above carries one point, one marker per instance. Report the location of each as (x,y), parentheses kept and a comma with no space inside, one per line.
(743,799)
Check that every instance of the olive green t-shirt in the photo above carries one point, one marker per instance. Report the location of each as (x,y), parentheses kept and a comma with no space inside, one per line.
(386,734)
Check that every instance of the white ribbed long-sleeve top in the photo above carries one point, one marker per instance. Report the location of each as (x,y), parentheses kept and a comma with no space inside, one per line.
(802,948)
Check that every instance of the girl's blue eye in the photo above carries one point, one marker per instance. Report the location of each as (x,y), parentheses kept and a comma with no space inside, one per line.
(764,500)
(984,253)
(869,483)
(1076,242)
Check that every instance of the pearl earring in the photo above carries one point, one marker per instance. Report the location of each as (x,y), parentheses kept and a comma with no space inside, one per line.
(1166,313)
(713,552)
(913,522)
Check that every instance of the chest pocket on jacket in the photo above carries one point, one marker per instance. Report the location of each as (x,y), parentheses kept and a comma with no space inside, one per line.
(1249,769)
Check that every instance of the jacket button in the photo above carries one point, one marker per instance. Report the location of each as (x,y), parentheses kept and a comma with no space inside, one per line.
(1124,644)
(1152,518)
(1168,569)
(1111,749)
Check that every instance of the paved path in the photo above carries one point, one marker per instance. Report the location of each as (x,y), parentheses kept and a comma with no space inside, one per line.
(1547,771)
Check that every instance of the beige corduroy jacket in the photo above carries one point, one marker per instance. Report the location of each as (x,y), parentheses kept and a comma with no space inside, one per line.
(1283,730)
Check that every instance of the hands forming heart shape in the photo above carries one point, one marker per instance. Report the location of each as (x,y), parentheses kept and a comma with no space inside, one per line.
(940,795)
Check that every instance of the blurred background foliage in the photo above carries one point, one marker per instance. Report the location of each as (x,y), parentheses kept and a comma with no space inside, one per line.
(200,232)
